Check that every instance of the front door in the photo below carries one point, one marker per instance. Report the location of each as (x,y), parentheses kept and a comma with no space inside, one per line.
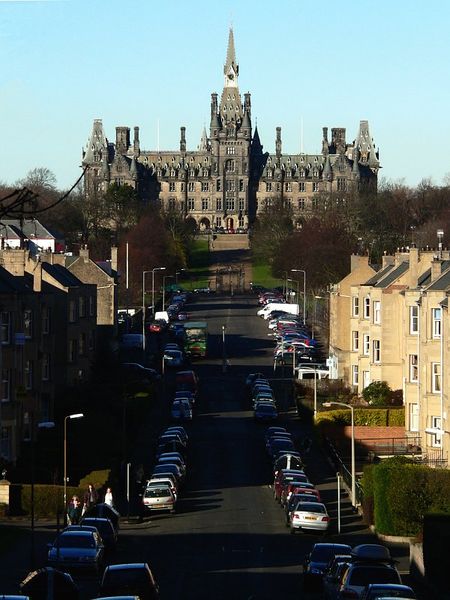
(230,223)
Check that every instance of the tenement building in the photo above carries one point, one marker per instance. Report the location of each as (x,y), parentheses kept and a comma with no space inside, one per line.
(229,179)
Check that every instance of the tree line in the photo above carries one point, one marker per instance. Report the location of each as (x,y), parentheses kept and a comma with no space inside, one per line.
(115,217)
(322,240)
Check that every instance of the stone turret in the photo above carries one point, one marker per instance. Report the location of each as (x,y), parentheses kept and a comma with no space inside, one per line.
(183,140)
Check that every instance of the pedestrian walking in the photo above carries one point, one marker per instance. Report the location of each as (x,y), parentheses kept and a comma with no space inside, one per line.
(109,500)
(90,498)
(74,511)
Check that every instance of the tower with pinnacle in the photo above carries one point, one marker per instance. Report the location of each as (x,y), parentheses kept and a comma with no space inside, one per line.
(228,179)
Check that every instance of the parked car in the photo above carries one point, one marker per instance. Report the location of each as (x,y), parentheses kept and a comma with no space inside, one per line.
(291,504)
(371,563)
(181,431)
(104,510)
(173,358)
(106,529)
(316,562)
(265,412)
(159,498)
(132,578)
(82,550)
(309,516)
(137,372)
(48,582)
(181,410)
(333,574)
(376,591)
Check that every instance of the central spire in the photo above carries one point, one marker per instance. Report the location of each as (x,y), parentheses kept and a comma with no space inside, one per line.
(230,103)
(231,68)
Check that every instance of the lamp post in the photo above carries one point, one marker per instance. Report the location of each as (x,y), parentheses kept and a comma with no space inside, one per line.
(144,273)
(178,273)
(41,425)
(353,469)
(74,416)
(153,285)
(164,289)
(224,354)
(304,291)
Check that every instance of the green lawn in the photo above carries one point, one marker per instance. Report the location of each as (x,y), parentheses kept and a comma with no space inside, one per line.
(198,267)
(262,275)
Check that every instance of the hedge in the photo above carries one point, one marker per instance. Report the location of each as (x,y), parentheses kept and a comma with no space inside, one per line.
(371,417)
(48,499)
(403,493)
(368,500)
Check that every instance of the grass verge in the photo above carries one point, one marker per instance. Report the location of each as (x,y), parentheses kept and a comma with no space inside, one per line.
(262,275)
(198,269)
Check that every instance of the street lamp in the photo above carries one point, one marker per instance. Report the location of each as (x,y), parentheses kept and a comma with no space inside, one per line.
(164,289)
(153,285)
(144,273)
(304,291)
(74,416)
(328,404)
(224,354)
(41,425)
(178,273)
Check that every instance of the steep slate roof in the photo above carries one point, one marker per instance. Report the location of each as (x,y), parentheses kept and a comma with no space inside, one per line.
(30,228)
(62,275)
(393,275)
(12,283)
(443,281)
(378,275)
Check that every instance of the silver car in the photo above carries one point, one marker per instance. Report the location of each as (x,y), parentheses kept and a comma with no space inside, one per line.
(309,515)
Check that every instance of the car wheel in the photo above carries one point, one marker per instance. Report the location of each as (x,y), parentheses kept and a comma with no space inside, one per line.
(292,530)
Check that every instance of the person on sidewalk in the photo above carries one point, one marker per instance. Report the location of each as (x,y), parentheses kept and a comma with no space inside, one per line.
(74,511)
(90,498)
(109,500)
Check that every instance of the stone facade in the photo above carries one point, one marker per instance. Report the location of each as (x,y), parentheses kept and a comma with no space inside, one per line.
(229,179)
(395,327)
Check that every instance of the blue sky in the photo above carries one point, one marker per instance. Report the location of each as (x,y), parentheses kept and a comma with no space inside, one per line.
(140,62)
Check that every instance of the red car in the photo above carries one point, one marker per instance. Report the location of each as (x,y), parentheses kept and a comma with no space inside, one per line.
(284,477)
(294,488)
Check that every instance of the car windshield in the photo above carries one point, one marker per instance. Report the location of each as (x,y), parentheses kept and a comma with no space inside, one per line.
(75,541)
(366,574)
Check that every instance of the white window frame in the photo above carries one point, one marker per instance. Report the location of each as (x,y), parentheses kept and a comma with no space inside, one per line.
(414,417)
(436,438)
(436,321)
(366,307)
(28,374)
(436,381)
(355,375)
(413,368)
(414,320)
(355,340)
(355,306)
(376,347)
(366,344)
(376,312)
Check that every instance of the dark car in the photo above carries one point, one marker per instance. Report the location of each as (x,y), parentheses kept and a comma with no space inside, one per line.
(39,584)
(133,578)
(106,529)
(317,560)
(137,372)
(82,550)
(106,511)
(265,413)
(374,591)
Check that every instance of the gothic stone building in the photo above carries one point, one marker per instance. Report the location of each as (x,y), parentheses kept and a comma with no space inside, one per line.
(229,179)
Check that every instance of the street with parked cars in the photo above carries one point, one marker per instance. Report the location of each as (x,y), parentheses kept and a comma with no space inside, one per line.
(236,500)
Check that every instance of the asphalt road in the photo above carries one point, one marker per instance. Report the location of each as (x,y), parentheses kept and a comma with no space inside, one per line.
(228,538)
